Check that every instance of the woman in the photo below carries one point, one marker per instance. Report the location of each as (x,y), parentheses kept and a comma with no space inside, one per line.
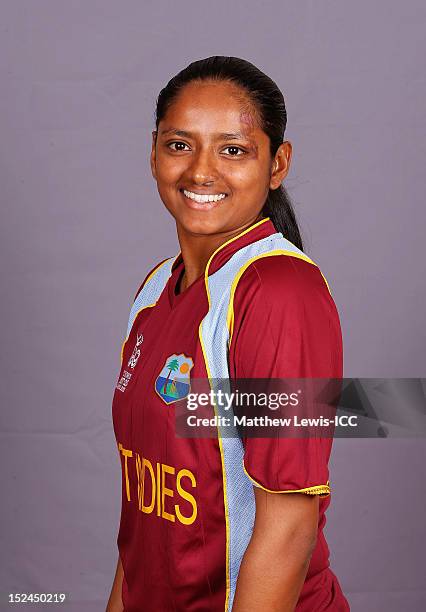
(206,524)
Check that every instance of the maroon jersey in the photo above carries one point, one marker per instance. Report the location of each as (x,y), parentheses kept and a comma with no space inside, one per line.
(174,530)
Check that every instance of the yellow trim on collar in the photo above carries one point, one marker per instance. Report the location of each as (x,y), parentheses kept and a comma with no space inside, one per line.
(222,246)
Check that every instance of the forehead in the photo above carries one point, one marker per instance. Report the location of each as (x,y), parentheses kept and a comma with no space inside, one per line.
(213,106)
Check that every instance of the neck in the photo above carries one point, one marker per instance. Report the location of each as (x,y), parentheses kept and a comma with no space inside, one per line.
(196,249)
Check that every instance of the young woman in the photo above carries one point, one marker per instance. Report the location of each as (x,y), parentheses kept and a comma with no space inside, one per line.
(220,524)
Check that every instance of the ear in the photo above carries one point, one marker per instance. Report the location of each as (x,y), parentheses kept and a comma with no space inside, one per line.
(153,159)
(280,164)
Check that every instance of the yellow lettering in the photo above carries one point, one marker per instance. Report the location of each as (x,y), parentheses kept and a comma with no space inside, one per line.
(158,490)
(184,519)
(147,465)
(126,453)
(138,474)
(165,491)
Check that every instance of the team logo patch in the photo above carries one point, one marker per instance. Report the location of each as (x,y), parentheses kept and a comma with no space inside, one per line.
(173,383)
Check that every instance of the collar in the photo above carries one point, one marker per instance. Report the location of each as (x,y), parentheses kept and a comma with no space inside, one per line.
(222,254)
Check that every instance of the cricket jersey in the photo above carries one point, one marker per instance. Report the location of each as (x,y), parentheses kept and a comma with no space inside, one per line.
(262,309)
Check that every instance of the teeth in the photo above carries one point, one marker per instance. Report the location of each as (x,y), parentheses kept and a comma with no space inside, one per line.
(204,198)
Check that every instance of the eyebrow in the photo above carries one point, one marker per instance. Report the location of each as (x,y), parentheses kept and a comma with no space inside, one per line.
(221,136)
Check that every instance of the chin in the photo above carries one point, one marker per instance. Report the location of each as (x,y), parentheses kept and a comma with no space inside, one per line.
(201,224)
(197,221)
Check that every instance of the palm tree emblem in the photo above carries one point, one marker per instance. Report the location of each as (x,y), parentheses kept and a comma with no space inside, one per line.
(173,382)
(173,365)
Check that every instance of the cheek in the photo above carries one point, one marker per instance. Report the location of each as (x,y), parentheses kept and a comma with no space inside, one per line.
(251,176)
(168,169)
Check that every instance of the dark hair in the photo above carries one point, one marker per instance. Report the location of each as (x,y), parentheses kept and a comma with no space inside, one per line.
(268,102)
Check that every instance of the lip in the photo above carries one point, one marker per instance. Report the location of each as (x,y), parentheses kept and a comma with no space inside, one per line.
(205,206)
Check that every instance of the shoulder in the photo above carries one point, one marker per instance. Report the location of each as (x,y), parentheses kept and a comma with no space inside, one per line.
(278,279)
(151,273)
(283,320)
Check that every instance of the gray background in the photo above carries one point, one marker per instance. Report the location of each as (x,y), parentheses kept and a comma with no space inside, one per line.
(83,223)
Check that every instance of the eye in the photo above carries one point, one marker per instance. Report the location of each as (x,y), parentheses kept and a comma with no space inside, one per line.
(235,148)
(179,145)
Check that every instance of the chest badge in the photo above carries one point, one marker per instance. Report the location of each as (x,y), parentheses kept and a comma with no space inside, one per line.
(174,383)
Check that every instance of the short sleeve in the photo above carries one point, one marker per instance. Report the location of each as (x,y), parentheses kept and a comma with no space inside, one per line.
(286,325)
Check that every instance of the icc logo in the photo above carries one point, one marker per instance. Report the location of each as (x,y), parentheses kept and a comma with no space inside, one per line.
(136,352)
(126,376)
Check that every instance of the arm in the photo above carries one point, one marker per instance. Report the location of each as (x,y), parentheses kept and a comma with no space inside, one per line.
(286,326)
(115,603)
(276,560)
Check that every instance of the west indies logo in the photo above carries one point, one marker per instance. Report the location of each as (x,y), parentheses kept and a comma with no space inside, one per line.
(173,382)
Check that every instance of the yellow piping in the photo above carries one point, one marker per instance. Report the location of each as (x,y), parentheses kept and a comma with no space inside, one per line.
(154,271)
(225,505)
(316,490)
(140,310)
(248,229)
(230,313)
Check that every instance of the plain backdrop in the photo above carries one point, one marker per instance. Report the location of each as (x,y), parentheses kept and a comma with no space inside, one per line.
(82,223)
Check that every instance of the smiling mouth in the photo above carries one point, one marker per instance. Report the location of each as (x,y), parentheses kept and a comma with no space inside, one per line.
(203,198)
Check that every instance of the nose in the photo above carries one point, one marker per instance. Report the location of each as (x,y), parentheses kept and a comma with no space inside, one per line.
(203,168)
